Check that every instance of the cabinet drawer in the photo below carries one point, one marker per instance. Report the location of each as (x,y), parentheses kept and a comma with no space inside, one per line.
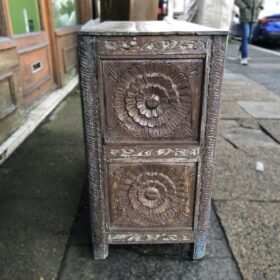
(152,99)
(151,195)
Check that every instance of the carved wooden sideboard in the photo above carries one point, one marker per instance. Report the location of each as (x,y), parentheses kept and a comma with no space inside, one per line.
(151,94)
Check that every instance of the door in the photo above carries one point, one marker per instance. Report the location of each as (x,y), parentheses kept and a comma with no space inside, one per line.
(27,25)
(64,22)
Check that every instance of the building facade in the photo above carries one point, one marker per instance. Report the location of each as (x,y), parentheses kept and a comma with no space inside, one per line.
(38,53)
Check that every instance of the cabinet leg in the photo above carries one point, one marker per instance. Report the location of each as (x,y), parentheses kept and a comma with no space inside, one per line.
(200,246)
(100,252)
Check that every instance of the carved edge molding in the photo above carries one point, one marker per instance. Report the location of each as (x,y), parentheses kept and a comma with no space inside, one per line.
(90,103)
(213,103)
(163,46)
(188,236)
(170,152)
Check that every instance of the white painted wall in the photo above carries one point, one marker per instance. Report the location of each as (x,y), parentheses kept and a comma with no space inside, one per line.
(270,7)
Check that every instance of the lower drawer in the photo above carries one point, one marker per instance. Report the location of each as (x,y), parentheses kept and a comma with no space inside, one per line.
(150,197)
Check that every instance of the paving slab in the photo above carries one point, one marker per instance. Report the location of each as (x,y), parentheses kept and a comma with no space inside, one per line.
(272,127)
(261,110)
(253,231)
(244,137)
(228,75)
(227,125)
(231,110)
(249,123)
(236,176)
(246,90)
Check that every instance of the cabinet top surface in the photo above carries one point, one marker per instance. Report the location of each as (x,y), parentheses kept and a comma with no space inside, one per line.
(134,28)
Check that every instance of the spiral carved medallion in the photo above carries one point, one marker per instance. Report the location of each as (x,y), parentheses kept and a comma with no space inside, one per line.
(152,196)
(153,99)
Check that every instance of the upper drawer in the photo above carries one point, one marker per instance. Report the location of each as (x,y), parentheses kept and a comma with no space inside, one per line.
(152,99)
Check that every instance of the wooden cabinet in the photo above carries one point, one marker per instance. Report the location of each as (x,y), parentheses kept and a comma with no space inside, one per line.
(151,94)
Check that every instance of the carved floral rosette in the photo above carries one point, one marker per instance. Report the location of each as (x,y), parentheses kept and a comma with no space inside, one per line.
(152,198)
(153,100)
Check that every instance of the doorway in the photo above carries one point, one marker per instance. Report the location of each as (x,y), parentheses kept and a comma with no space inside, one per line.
(27,24)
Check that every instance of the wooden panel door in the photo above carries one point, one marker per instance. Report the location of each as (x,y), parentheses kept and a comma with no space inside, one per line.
(27,25)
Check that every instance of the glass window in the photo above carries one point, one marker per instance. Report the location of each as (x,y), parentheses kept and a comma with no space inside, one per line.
(65,12)
(25,16)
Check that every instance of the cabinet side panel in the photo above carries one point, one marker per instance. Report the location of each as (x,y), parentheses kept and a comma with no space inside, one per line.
(91,117)
(213,105)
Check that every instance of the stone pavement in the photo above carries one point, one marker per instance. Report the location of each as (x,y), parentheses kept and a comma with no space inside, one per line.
(247,201)
(44,229)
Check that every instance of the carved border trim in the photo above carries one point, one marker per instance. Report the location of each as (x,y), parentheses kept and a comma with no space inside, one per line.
(93,141)
(155,237)
(191,153)
(208,160)
(161,45)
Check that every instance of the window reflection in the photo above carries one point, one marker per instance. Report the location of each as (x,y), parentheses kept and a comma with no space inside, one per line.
(65,12)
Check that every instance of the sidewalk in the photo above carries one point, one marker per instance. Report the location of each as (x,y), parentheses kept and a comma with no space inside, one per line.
(40,189)
(44,229)
(248,201)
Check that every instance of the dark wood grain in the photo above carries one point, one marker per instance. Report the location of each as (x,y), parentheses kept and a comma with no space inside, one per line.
(151,107)
(93,138)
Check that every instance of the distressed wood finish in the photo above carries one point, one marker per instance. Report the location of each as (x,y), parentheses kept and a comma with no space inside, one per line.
(150,106)
(213,105)
(144,195)
(159,111)
(91,115)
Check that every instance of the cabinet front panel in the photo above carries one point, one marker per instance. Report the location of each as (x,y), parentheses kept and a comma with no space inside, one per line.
(152,99)
(147,196)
